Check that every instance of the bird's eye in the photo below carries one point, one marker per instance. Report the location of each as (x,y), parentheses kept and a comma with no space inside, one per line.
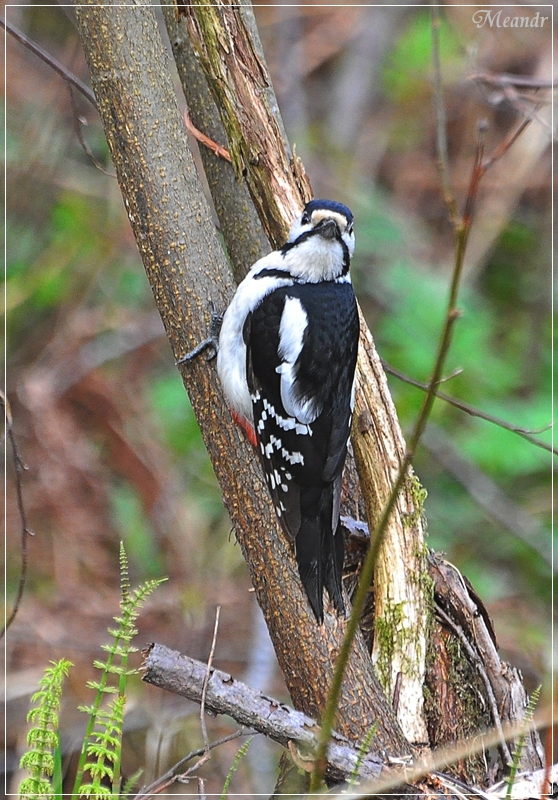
(305,218)
(350,228)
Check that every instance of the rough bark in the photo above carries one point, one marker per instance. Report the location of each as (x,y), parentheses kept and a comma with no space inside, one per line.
(241,86)
(402,588)
(465,665)
(240,225)
(186,268)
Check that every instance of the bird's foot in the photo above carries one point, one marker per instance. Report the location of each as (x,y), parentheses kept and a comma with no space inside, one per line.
(212,341)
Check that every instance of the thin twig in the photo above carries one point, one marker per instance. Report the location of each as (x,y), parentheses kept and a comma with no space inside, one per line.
(78,127)
(26,532)
(520,81)
(63,71)
(476,174)
(504,146)
(172,775)
(206,681)
(441,122)
(458,631)
(218,149)
(486,493)
(528,435)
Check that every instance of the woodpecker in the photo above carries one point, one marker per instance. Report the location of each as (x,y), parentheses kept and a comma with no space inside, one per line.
(286,361)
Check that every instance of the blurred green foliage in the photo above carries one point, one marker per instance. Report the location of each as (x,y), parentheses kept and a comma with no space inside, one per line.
(408,69)
(490,369)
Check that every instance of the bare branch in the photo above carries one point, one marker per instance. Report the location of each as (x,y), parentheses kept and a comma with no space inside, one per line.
(528,435)
(505,145)
(218,149)
(26,532)
(184,676)
(63,71)
(518,81)
(79,122)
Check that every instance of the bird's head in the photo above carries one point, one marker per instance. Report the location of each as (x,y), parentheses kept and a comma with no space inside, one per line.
(321,241)
(327,219)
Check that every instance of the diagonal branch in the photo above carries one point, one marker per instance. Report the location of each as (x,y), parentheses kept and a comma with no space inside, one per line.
(52,62)
(250,708)
(528,435)
(26,532)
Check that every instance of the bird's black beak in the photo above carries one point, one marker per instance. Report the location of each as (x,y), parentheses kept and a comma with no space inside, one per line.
(328,229)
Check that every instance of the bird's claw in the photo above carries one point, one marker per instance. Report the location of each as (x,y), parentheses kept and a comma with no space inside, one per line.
(212,341)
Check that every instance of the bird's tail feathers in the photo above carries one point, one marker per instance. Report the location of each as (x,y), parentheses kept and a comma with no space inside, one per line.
(333,553)
(320,550)
(310,565)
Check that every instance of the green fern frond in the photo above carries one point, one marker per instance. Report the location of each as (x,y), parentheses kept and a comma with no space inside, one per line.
(43,736)
(518,750)
(363,749)
(89,790)
(234,766)
(124,574)
(36,789)
(101,750)
(131,782)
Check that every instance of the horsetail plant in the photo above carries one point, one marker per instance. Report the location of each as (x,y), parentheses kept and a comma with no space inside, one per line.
(102,744)
(242,750)
(43,738)
(516,756)
(101,750)
(363,749)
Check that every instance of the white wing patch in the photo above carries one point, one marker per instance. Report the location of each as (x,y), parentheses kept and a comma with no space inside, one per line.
(294,322)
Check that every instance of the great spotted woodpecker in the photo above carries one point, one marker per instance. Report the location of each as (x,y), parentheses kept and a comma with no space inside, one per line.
(286,360)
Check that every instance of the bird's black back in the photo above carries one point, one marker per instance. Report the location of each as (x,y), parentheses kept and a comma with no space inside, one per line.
(304,470)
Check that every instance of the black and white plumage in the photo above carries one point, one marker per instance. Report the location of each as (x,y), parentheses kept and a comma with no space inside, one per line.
(286,361)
